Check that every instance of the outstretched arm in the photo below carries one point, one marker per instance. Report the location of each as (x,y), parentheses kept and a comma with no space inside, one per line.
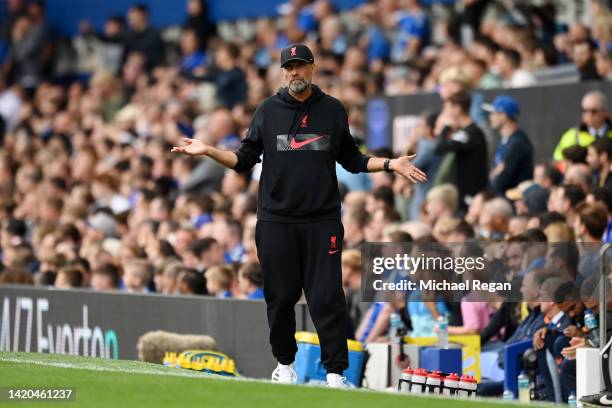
(401,166)
(195,147)
(243,159)
(354,161)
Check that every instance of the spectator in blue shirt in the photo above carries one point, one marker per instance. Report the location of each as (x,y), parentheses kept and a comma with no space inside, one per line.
(306,20)
(228,77)
(193,58)
(413,32)
(309,17)
(270,41)
(250,281)
(232,235)
(332,38)
(513,161)
(219,281)
(424,149)
(378,45)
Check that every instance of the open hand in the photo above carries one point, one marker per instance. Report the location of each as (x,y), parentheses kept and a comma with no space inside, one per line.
(572,331)
(194,147)
(538,338)
(575,343)
(405,168)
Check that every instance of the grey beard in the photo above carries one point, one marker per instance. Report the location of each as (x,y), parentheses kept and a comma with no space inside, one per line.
(298,86)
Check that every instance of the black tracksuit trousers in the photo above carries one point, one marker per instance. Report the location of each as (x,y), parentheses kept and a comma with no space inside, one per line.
(296,256)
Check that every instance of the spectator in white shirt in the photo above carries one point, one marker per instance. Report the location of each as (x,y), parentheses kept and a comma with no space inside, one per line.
(508,64)
(10,104)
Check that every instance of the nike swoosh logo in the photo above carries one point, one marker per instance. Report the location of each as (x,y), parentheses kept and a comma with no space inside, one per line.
(333,252)
(297,145)
(605,401)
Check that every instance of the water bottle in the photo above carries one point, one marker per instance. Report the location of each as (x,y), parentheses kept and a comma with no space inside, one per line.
(467,386)
(523,388)
(508,395)
(590,321)
(443,331)
(405,380)
(571,400)
(451,384)
(419,378)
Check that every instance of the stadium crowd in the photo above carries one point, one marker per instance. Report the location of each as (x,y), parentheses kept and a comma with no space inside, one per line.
(91,196)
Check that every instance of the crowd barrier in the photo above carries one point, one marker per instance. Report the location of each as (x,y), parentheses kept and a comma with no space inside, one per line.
(86,323)
(108,325)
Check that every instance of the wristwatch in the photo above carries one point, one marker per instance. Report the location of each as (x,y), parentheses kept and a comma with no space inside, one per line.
(386,166)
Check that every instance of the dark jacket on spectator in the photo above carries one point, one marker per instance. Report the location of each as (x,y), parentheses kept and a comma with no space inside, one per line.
(518,163)
(28,57)
(525,331)
(231,86)
(147,42)
(589,72)
(202,25)
(504,317)
(470,148)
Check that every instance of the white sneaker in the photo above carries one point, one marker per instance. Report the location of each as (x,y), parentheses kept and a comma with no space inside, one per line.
(337,381)
(284,374)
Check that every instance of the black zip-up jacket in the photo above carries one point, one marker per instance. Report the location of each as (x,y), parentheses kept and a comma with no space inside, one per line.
(518,163)
(301,142)
(470,147)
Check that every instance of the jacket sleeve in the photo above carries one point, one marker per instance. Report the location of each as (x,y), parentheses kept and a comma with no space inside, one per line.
(459,141)
(512,159)
(568,139)
(251,146)
(349,155)
(499,320)
(424,154)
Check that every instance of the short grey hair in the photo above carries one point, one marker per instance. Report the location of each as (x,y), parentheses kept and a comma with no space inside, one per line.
(600,96)
(499,207)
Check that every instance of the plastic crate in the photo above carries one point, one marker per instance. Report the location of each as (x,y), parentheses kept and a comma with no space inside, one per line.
(309,367)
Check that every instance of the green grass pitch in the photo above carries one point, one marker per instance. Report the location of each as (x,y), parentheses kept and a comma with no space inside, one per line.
(118,383)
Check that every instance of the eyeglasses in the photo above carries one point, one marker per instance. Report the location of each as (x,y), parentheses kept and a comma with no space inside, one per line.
(591,111)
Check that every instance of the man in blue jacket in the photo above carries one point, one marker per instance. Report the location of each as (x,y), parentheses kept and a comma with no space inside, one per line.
(302,133)
(513,161)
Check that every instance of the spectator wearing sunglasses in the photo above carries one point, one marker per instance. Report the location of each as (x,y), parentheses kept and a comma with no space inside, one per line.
(595,123)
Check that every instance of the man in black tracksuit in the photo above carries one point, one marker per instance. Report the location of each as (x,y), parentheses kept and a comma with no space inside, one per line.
(461,136)
(302,132)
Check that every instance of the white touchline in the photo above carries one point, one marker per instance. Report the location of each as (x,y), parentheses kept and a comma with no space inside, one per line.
(98,368)
(160,373)
(85,366)
(218,377)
